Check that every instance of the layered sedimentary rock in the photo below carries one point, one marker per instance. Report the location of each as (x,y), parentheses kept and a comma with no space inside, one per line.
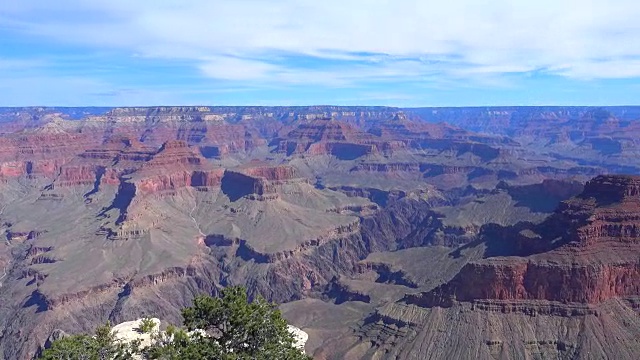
(238,184)
(39,152)
(606,136)
(176,165)
(327,136)
(420,134)
(270,172)
(587,252)
(115,213)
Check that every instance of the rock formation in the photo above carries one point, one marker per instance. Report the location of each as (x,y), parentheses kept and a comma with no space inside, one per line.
(129,331)
(327,136)
(365,222)
(587,252)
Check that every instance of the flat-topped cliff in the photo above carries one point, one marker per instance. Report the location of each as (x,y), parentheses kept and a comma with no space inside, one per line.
(587,252)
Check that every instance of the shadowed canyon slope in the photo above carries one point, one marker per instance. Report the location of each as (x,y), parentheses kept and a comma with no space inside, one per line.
(564,288)
(383,232)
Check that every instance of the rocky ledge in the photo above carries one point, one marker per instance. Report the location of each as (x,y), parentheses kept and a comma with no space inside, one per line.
(129,331)
(246,251)
(587,252)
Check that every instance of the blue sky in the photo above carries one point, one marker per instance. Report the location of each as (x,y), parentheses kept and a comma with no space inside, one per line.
(302,52)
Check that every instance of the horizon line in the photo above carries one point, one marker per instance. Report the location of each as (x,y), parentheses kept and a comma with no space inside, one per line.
(307,106)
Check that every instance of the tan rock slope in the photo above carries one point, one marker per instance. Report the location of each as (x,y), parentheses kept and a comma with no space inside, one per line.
(566,288)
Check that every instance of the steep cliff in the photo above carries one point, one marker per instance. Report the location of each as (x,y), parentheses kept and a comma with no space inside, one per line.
(587,252)
(115,213)
(604,136)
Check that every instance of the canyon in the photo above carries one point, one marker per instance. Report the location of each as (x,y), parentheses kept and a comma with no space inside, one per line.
(429,233)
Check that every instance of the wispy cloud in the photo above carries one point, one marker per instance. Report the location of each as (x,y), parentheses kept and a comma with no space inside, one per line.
(348,43)
(599,69)
(493,35)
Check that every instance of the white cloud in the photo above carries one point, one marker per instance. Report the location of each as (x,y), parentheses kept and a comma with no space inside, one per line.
(231,68)
(236,39)
(607,69)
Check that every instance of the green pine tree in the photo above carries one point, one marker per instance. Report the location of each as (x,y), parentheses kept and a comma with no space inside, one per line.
(228,327)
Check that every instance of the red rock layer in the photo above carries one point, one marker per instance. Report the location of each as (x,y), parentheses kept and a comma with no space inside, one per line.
(175,152)
(176,165)
(327,136)
(273,173)
(121,149)
(180,179)
(31,153)
(598,256)
(587,284)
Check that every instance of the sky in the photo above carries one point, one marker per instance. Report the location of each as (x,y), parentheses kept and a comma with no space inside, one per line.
(304,52)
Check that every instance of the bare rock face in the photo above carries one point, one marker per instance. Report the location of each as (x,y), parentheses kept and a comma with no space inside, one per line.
(175,152)
(563,288)
(299,336)
(129,331)
(38,154)
(194,125)
(328,136)
(531,281)
(180,179)
(237,184)
(587,252)
(440,136)
(176,165)
(114,213)
(272,173)
(605,133)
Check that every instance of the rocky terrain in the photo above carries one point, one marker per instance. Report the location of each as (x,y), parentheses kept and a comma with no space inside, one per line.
(564,288)
(383,232)
(606,136)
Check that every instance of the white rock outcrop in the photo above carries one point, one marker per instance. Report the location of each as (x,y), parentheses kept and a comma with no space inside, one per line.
(300,337)
(130,330)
